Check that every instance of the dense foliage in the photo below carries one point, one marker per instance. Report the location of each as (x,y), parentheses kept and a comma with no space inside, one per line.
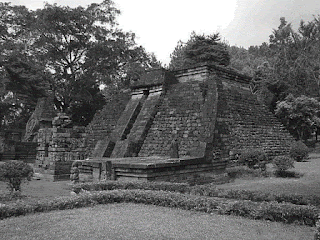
(282,163)
(301,115)
(254,158)
(14,173)
(299,151)
(71,51)
(289,63)
(199,49)
(208,190)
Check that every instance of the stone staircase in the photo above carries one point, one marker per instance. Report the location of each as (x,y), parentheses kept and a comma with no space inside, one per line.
(133,141)
(114,142)
(104,122)
(179,115)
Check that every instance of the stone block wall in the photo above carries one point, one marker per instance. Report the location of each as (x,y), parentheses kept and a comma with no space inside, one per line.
(244,123)
(214,106)
(198,73)
(12,147)
(179,116)
(105,120)
(58,148)
(208,109)
(136,135)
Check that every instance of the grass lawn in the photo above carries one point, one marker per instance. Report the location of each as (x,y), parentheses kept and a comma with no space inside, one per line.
(130,221)
(134,221)
(306,185)
(40,189)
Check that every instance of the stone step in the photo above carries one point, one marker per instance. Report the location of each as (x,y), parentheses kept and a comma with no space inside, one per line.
(105,146)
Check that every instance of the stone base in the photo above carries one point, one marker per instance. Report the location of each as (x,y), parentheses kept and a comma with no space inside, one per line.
(57,171)
(151,168)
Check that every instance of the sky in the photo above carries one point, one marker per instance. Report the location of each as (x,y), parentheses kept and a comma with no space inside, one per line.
(159,25)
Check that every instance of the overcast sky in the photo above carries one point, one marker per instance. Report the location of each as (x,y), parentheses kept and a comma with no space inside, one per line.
(159,25)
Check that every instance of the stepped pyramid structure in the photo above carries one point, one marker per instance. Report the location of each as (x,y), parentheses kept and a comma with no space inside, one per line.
(169,125)
(208,110)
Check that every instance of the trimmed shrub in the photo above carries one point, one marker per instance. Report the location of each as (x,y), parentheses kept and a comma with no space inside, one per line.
(273,211)
(282,164)
(299,151)
(254,158)
(111,185)
(14,173)
(208,190)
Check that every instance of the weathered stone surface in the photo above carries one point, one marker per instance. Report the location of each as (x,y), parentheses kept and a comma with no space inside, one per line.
(179,115)
(42,116)
(209,109)
(104,123)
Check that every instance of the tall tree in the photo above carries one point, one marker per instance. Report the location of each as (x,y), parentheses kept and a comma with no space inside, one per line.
(75,50)
(301,115)
(293,64)
(289,63)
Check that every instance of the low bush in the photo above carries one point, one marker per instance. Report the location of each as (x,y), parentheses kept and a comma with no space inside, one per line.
(14,173)
(288,174)
(244,171)
(284,212)
(208,190)
(12,196)
(256,196)
(317,234)
(282,164)
(111,185)
(254,158)
(299,151)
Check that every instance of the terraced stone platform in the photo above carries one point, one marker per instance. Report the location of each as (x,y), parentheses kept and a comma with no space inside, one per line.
(156,168)
(207,112)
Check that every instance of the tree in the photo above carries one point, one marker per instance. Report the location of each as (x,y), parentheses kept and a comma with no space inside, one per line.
(288,64)
(199,49)
(291,62)
(282,164)
(177,57)
(14,173)
(301,115)
(294,59)
(245,61)
(71,51)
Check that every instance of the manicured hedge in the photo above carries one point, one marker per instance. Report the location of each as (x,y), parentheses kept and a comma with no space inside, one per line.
(256,196)
(111,185)
(209,190)
(282,212)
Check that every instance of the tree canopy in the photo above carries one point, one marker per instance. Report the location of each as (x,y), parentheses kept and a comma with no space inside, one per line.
(288,64)
(199,49)
(301,115)
(71,51)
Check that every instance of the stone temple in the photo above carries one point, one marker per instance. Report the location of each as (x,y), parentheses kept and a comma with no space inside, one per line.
(169,125)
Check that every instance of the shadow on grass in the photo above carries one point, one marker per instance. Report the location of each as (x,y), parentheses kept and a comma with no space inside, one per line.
(11,197)
(201,179)
(288,174)
(245,172)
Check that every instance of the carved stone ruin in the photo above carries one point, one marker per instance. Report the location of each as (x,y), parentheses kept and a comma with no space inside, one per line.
(169,125)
